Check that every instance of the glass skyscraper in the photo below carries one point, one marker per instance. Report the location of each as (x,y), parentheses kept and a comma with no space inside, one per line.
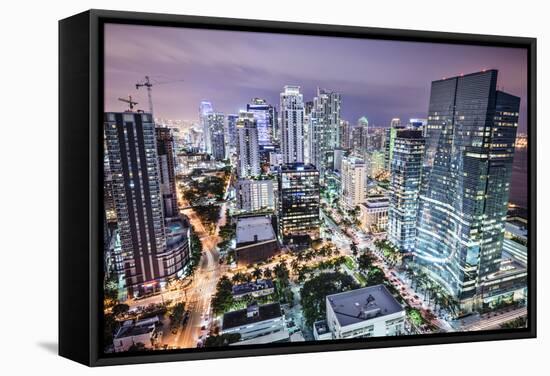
(406,167)
(205,109)
(216,125)
(467,167)
(266,117)
(298,201)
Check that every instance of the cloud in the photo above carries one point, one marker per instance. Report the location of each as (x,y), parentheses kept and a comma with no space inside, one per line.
(381,79)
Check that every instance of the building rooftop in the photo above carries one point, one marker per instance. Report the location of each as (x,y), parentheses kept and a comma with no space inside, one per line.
(126,331)
(376,201)
(254,229)
(298,167)
(177,231)
(411,134)
(363,304)
(354,160)
(253,313)
(321,327)
(245,288)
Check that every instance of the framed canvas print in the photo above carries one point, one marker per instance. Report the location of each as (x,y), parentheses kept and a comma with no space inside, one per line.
(240,187)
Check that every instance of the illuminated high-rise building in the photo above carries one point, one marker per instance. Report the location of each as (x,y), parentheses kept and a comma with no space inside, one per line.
(406,167)
(292,124)
(360,137)
(216,124)
(205,109)
(465,187)
(151,251)
(354,180)
(255,194)
(248,164)
(298,204)
(324,128)
(266,117)
(167,171)
(389,140)
(231,133)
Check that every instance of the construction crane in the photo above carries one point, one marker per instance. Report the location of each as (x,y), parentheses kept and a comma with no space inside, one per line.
(130,102)
(148,83)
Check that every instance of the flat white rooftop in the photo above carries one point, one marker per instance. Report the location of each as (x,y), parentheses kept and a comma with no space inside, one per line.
(254,229)
(363,304)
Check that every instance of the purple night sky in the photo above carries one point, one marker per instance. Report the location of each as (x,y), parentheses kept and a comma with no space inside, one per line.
(378,79)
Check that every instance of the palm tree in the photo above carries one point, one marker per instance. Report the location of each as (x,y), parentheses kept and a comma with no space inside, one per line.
(237,277)
(281,272)
(294,265)
(439,294)
(268,273)
(409,272)
(430,290)
(257,273)
(454,305)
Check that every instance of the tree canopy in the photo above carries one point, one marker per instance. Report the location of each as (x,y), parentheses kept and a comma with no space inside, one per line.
(223,298)
(315,291)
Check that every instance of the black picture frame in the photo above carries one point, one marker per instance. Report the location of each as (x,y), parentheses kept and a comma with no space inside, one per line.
(80,172)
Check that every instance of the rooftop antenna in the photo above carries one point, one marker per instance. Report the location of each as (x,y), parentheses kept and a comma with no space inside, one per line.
(129,101)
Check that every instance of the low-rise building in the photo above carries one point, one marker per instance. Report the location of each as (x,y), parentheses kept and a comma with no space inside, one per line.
(256,324)
(256,240)
(374,214)
(261,287)
(367,312)
(189,161)
(135,333)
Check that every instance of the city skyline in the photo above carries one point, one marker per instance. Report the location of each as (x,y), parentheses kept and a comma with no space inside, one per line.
(373,75)
(289,221)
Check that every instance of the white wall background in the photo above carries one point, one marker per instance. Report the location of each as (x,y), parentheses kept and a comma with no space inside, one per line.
(28,199)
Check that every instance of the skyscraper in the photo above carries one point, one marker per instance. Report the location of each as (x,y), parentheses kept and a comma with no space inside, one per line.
(375,163)
(345,134)
(167,171)
(232,128)
(266,117)
(354,179)
(466,181)
(324,128)
(359,137)
(395,123)
(389,139)
(292,124)
(406,167)
(298,204)
(255,194)
(133,160)
(216,124)
(231,133)
(247,146)
(205,109)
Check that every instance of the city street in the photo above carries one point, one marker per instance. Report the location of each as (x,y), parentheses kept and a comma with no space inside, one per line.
(200,291)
